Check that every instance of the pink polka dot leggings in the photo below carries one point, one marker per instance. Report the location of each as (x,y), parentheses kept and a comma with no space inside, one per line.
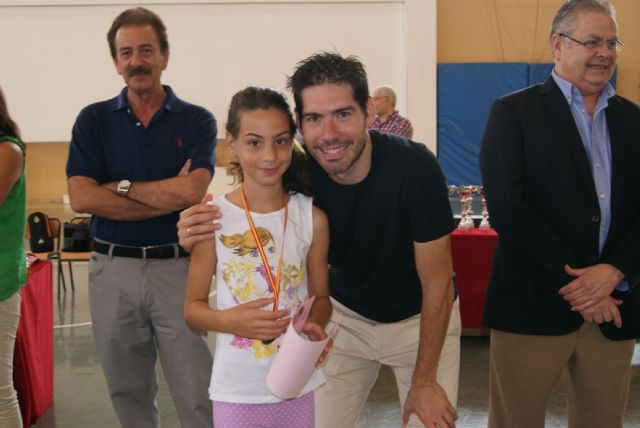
(296,413)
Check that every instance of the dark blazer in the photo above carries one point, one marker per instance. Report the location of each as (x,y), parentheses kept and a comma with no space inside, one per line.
(542,202)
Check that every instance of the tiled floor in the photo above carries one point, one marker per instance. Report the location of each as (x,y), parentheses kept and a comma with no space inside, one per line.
(81,398)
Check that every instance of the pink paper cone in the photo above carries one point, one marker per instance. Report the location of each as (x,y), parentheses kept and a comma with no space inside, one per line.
(295,361)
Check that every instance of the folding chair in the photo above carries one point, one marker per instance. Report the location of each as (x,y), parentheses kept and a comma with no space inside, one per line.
(71,257)
(56,226)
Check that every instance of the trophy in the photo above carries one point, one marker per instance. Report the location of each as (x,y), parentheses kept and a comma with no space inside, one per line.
(454,192)
(465,193)
(484,223)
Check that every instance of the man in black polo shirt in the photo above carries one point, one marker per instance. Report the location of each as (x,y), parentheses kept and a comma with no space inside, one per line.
(134,162)
(389,256)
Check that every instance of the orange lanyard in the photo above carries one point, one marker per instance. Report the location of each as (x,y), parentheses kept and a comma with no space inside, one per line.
(275,284)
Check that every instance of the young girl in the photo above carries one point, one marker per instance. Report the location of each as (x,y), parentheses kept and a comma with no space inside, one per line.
(269,256)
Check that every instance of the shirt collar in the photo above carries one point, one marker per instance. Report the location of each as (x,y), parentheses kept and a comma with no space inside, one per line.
(171,103)
(572,94)
(391,116)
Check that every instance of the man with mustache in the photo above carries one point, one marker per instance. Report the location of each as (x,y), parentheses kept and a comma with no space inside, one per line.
(559,164)
(390,262)
(134,162)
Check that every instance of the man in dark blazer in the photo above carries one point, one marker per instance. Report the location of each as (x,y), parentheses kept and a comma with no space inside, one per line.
(560,163)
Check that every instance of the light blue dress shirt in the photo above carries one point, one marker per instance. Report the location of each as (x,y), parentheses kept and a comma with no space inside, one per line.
(596,140)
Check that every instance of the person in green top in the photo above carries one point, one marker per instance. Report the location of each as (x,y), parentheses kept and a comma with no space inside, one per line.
(13,270)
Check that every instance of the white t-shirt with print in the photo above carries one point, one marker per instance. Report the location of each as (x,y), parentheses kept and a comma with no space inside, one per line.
(240,365)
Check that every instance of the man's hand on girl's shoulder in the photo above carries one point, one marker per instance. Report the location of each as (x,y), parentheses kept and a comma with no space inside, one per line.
(196,223)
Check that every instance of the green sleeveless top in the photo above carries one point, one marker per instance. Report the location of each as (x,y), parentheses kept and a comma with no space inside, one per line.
(13,220)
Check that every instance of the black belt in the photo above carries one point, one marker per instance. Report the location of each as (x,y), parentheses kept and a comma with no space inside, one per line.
(149,252)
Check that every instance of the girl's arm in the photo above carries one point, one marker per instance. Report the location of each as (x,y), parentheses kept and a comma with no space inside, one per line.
(245,320)
(318,276)
(197,311)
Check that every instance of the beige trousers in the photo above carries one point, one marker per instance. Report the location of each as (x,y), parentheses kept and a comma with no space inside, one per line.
(9,317)
(361,346)
(525,368)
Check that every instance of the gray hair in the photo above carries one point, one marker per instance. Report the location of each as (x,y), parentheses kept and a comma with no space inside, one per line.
(387,91)
(563,20)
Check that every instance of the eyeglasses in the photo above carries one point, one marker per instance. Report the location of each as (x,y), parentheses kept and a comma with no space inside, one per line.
(593,44)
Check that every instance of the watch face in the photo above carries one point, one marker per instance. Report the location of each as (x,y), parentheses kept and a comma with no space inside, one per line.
(123,187)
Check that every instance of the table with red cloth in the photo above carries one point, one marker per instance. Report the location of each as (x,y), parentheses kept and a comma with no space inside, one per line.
(472,253)
(33,357)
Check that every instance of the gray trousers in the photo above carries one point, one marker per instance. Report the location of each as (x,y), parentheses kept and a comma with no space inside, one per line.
(137,313)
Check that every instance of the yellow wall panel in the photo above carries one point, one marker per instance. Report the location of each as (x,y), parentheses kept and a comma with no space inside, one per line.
(46,178)
(518,31)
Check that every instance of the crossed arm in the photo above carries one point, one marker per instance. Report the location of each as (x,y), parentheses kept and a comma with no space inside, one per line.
(146,199)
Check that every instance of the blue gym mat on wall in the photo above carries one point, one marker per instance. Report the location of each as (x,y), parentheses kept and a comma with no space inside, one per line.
(465,94)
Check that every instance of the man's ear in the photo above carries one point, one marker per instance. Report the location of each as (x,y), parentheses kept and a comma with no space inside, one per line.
(370,112)
(555,44)
(165,59)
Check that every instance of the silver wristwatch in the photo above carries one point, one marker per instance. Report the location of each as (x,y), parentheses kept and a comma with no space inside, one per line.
(123,187)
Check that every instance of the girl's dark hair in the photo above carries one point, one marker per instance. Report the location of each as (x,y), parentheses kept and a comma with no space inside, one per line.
(7,125)
(296,177)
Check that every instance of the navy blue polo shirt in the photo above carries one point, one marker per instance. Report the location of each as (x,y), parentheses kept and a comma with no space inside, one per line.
(108,143)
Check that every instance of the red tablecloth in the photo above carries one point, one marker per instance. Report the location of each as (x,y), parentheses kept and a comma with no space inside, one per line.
(33,358)
(472,252)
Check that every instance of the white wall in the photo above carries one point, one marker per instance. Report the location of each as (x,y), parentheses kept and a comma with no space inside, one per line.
(57,58)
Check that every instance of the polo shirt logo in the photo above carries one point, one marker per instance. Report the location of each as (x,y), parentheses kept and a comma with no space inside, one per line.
(180,143)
